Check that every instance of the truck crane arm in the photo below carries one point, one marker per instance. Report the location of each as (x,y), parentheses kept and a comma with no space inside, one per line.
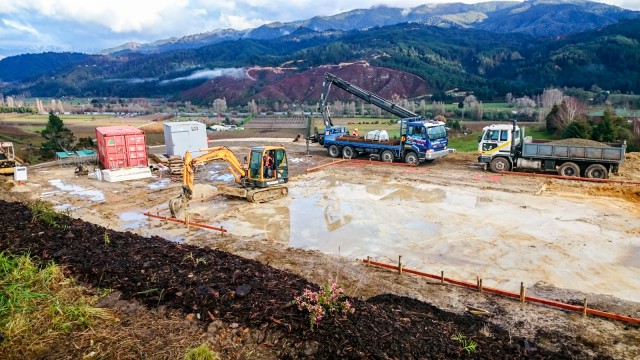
(367,96)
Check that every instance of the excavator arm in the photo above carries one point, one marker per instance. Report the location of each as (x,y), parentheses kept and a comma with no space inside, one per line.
(189,171)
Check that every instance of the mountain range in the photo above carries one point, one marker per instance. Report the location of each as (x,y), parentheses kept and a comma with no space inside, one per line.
(489,48)
(532,17)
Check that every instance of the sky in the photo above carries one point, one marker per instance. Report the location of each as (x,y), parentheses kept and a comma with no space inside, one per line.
(92,25)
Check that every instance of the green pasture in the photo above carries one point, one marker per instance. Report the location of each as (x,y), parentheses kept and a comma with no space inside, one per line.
(44,118)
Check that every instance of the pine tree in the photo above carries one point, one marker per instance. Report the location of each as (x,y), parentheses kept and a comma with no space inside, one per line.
(58,137)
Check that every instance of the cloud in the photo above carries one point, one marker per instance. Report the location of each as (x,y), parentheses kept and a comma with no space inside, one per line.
(83,25)
(237,73)
(132,80)
(21,27)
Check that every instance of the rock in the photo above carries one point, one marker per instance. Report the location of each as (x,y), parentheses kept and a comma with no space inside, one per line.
(310,348)
(243,290)
(215,326)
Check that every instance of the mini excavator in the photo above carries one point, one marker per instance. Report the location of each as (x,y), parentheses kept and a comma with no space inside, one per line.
(260,180)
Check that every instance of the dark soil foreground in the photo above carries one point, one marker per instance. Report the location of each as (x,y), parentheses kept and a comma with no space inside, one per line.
(217,286)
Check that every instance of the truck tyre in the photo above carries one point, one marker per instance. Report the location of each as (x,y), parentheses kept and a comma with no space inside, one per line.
(597,171)
(347,152)
(387,156)
(500,164)
(334,151)
(569,169)
(411,158)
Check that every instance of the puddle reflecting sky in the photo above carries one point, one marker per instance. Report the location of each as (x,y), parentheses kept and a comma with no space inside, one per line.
(76,190)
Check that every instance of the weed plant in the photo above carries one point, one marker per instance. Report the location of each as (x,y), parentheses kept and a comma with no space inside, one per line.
(43,212)
(38,305)
(201,352)
(468,345)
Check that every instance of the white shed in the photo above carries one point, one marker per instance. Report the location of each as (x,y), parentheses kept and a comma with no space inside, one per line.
(185,135)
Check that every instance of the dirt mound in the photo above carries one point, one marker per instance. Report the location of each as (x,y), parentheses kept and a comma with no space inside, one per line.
(580,142)
(218,286)
(630,168)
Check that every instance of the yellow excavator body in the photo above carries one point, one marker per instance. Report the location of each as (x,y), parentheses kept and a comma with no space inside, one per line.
(259,180)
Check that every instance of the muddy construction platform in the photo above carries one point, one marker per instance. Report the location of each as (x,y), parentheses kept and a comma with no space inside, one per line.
(565,240)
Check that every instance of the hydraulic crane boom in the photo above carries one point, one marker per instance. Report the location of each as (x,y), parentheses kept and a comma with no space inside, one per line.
(367,96)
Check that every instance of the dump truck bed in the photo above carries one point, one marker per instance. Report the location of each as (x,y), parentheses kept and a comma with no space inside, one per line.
(603,154)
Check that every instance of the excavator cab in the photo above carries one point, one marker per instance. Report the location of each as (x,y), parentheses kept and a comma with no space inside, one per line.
(268,166)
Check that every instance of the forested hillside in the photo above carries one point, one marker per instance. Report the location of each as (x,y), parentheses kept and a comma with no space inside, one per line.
(487,63)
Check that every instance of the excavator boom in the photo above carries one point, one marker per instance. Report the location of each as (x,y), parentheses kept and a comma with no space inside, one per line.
(215,153)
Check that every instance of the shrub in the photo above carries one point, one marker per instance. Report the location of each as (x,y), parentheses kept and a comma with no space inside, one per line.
(328,301)
(202,352)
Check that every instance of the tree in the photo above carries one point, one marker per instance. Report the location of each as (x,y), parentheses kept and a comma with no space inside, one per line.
(509,98)
(605,131)
(525,106)
(253,108)
(550,97)
(571,110)
(551,120)
(58,137)
(580,129)
(477,111)
(220,105)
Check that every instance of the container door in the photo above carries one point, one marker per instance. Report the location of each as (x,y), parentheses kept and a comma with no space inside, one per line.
(136,150)
(115,152)
(181,143)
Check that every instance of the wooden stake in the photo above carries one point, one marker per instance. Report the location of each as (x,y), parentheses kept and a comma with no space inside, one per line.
(400,264)
(479,280)
(441,277)
(584,310)
(522,296)
(368,261)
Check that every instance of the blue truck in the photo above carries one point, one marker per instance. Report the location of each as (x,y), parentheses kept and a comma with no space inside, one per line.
(421,140)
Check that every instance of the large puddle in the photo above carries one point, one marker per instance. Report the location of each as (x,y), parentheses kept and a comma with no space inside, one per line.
(503,238)
(75,190)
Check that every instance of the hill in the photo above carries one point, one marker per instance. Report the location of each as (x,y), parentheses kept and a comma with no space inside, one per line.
(490,64)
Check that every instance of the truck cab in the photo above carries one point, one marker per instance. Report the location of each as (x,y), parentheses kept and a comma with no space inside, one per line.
(333,132)
(496,141)
(428,137)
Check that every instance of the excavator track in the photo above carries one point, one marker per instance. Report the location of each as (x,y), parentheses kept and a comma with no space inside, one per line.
(267,194)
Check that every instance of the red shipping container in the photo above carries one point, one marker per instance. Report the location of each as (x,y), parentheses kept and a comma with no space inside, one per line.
(121,146)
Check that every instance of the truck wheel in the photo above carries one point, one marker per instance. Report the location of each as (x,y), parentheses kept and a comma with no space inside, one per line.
(334,151)
(597,171)
(387,156)
(569,169)
(347,152)
(411,158)
(500,164)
